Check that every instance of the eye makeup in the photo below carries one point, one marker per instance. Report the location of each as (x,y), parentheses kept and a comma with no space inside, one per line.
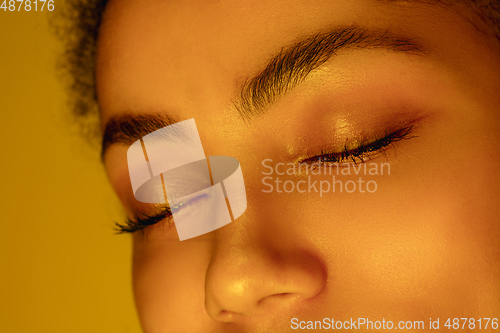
(350,147)
(361,150)
(357,151)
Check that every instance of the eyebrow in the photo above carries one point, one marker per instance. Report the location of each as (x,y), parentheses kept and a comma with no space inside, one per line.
(291,66)
(283,72)
(127,129)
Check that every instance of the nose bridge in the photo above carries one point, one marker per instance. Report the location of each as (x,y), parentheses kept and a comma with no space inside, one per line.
(250,272)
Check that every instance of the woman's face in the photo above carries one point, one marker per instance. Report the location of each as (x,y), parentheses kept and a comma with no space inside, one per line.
(415,85)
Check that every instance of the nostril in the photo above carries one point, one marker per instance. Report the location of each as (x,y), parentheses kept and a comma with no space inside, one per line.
(225,316)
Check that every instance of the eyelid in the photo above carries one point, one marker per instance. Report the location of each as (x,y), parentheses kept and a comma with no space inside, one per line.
(362,150)
(143,221)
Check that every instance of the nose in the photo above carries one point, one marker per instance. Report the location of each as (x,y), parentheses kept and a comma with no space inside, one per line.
(251,275)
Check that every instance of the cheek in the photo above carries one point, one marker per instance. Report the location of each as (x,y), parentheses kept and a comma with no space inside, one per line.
(168,279)
(433,239)
(429,250)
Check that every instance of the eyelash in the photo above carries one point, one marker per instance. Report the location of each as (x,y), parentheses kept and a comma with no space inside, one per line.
(363,151)
(357,155)
(142,222)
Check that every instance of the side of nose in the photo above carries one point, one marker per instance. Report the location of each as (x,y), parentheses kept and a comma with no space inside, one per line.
(246,278)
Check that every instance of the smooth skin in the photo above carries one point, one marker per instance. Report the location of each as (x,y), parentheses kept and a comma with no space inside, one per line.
(425,244)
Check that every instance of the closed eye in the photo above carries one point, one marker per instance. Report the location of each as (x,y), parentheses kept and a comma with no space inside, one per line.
(144,220)
(362,152)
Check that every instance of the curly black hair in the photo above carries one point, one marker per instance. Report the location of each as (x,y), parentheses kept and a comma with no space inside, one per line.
(78,29)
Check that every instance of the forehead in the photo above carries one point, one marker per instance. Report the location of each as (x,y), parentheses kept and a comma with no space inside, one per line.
(190,53)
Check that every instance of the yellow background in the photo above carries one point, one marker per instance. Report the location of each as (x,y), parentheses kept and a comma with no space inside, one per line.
(62,269)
